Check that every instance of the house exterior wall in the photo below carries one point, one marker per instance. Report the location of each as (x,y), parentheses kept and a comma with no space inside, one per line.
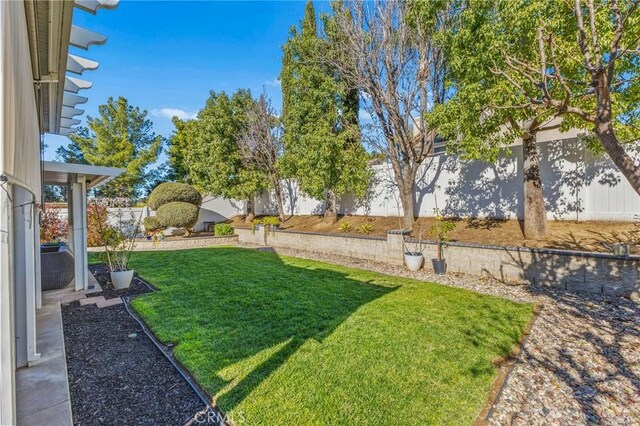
(20,168)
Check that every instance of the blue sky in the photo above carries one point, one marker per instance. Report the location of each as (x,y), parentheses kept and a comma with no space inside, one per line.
(165,56)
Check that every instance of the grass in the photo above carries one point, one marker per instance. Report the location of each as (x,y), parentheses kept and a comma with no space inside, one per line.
(280,340)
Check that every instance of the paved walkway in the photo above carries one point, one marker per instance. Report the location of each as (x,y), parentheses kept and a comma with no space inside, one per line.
(42,391)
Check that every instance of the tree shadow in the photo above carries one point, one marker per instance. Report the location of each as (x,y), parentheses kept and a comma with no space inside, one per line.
(610,320)
(589,386)
(233,330)
(478,189)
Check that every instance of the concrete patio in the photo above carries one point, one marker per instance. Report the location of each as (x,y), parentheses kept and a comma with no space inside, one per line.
(42,390)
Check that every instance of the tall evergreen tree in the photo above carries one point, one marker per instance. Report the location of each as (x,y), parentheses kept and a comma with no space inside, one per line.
(120,137)
(321,135)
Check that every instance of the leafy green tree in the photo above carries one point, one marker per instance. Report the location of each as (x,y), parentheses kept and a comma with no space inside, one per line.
(578,60)
(487,113)
(211,152)
(178,143)
(321,133)
(120,137)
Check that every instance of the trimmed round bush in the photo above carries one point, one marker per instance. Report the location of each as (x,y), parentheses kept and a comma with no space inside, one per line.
(177,214)
(169,192)
(151,224)
(221,229)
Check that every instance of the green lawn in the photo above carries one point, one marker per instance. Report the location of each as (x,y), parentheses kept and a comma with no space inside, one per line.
(285,341)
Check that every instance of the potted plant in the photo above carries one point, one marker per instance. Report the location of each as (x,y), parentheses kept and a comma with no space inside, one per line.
(414,257)
(118,241)
(439,230)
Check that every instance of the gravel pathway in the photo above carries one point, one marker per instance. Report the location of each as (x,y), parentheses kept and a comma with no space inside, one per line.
(580,364)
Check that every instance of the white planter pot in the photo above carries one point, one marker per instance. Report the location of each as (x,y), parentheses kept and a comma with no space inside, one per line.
(121,279)
(413,261)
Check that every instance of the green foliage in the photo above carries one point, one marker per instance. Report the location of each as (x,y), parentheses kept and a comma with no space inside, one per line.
(320,114)
(366,228)
(151,224)
(209,147)
(270,221)
(221,229)
(177,151)
(121,137)
(177,214)
(173,191)
(280,329)
(441,227)
(496,55)
(345,227)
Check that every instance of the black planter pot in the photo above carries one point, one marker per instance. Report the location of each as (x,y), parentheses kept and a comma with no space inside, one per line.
(439,266)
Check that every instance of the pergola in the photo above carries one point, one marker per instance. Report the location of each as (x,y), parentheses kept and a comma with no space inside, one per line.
(78,178)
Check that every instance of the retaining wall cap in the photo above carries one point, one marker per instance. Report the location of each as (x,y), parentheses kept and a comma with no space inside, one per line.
(345,235)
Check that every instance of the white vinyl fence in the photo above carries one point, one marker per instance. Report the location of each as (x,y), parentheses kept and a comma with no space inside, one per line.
(577,185)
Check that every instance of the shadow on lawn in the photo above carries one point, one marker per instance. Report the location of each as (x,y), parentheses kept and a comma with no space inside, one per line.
(246,304)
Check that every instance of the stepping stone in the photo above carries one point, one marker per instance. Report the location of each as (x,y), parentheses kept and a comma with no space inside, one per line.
(72,297)
(91,300)
(109,302)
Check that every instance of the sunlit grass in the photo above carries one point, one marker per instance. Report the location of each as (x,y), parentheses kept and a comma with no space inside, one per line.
(285,341)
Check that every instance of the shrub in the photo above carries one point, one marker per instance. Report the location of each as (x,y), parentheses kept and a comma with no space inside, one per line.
(177,214)
(97,222)
(271,221)
(151,224)
(221,229)
(365,228)
(170,192)
(52,226)
(345,227)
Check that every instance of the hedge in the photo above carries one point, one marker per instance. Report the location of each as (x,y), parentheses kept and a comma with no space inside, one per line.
(169,192)
(177,214)
(151,224)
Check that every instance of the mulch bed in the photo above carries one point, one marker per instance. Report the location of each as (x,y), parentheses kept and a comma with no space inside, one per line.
(116,374)
(101,272)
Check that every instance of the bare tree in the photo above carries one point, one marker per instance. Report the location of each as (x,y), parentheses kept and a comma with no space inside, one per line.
(261,146)
(393,59)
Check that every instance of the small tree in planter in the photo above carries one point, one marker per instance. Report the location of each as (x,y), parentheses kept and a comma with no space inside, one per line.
(439,230)
(118,241)
(414,257)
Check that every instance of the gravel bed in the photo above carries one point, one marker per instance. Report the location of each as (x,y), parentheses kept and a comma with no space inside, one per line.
(580,363)
(116,373)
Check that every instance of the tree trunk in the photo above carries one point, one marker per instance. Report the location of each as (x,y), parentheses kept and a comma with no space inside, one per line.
(406,197)
(535,213)
(618,155)
(251,210)
(607,136)
(331,211)
(277,189)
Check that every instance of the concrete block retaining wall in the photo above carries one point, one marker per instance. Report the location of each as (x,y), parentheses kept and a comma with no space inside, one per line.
(570,270)
(180,243)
